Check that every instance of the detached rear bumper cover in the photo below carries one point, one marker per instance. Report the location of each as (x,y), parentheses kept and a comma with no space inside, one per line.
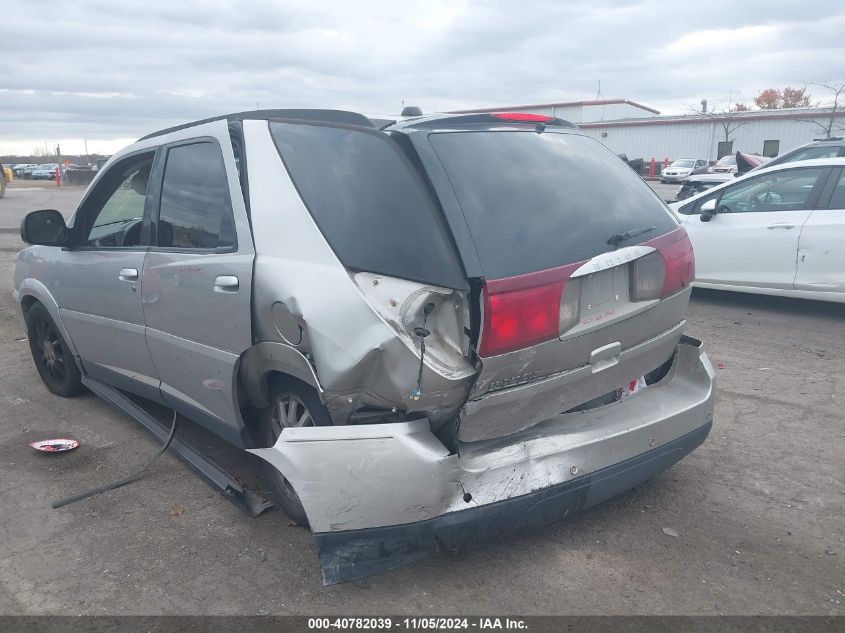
(380,496)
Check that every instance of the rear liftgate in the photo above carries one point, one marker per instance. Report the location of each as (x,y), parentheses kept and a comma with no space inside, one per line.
(380,496)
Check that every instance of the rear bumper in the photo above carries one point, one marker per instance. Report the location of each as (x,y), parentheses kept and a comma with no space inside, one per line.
(380,496)
(355,554)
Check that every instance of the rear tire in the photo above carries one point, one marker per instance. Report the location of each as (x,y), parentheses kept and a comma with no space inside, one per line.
(292,404)
(53,359)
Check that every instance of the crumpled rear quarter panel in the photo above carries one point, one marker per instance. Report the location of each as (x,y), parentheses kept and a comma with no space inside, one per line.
(357,356)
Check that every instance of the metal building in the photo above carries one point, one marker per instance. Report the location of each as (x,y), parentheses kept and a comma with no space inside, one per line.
(579,111)
(639,132)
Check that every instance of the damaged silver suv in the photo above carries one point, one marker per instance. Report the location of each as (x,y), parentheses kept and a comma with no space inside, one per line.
(434,330)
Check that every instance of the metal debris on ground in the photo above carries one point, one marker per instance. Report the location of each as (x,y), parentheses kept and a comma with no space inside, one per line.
(56,445)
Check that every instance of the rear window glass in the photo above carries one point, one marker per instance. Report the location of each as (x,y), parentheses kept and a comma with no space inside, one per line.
(369,203)
(537,201)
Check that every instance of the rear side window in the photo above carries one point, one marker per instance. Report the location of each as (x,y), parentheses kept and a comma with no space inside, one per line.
(368,201)
(811,153)
(196,211)
(537,201)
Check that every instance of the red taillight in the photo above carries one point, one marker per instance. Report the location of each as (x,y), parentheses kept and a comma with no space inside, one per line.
(522,116)
(520,318)
(525,310)
(676,249)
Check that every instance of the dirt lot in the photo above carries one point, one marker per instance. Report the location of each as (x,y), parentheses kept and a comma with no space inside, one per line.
(758,508)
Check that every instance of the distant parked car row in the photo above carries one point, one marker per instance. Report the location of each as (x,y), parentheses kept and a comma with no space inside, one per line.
(742,163)
(30,171)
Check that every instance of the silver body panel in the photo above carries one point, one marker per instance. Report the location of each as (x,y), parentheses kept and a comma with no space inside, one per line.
(616,341)
(204,331)
(367,476)
(359,360)
(196,333)
(102,310)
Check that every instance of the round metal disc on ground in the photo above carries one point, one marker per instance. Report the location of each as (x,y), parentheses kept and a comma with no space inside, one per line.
(57,445)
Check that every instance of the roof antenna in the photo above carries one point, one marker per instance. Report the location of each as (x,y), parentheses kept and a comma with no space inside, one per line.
(598,94)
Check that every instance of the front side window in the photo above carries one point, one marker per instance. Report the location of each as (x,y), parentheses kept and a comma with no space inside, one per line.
(779,191)
(694,208)
(195,210)
(113,214)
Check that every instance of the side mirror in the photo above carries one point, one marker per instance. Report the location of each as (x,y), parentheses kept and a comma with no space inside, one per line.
(708,210)
(45,228)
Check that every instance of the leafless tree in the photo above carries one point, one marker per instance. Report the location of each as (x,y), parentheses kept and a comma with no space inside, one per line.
(725,114)
(830,125)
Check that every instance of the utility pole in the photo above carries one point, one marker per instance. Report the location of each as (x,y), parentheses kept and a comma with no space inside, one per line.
(59,161)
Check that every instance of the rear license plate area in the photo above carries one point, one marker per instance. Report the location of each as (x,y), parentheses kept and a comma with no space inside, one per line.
(603,293)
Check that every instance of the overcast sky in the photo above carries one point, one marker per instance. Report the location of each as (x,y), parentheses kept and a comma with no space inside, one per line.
(111,70)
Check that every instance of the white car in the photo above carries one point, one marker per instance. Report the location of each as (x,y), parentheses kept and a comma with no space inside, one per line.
(683,168)
(778,230)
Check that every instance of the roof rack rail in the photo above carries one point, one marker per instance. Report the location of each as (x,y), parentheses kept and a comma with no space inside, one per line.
(343,117)
(829,138)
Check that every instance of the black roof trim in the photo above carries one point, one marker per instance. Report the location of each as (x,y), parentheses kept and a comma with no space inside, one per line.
(325,116)
(484,118)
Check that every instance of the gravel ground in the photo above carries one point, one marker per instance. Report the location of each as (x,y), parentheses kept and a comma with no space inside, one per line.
(758,509)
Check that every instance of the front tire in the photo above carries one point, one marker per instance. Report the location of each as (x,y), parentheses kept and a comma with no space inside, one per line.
(53,359)
(292,404)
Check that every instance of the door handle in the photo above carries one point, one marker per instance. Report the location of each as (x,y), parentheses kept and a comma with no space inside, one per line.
(226,283)
(128,274)
(781,225)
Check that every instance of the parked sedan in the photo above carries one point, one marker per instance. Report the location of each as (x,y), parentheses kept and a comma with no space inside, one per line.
(778,230)
(20,168)
(46,171)
(725,165)
(682,168)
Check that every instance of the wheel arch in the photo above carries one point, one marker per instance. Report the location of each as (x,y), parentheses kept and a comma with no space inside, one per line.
(266,359)
(32,291)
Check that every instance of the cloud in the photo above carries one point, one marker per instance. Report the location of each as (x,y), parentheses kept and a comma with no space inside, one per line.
(101,70)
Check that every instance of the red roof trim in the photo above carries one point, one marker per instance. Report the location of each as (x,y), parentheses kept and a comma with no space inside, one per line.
(517,108)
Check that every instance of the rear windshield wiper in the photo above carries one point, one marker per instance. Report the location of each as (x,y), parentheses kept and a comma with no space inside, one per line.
(618,238)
